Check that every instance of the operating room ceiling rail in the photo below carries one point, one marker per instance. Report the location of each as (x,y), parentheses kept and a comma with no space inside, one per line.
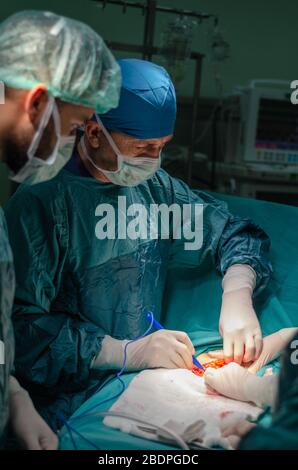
(164,9)
(149,9)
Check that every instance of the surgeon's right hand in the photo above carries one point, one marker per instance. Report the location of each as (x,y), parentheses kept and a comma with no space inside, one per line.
(164,348)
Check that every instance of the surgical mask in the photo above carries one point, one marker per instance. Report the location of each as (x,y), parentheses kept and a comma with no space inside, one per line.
(34,164)
(64,153)
(131,171)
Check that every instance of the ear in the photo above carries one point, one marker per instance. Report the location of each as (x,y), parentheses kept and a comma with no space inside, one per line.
(35,103)
(93,133)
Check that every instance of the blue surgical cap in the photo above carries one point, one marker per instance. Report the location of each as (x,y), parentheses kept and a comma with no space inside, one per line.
(147,106)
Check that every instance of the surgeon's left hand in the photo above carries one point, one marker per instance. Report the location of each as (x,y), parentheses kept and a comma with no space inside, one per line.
(234,381)
(28,426)
(239,327)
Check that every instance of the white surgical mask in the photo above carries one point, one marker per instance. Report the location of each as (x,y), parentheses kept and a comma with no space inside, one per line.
(64,153)
(131,171)
(34,164)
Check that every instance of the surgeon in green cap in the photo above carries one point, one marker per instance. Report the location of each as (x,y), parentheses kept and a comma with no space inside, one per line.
(55,72)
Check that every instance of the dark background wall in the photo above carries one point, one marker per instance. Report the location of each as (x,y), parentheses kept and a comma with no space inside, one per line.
(263,35)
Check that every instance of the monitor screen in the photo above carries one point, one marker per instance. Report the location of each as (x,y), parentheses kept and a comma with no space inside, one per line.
(277,125)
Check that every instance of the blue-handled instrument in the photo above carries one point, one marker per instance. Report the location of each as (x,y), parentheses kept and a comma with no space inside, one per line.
(158,326)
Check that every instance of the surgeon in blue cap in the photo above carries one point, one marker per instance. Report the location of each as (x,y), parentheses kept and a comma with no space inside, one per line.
(87,274)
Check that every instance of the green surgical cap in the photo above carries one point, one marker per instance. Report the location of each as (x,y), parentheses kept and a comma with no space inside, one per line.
(68,56)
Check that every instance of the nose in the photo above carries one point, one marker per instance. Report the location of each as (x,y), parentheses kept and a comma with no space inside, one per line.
(154,152)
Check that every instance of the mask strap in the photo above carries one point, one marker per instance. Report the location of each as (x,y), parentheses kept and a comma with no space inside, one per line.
(87,156)
(42,124)
(108,136)
(51,109)
(57,125)
(84,148)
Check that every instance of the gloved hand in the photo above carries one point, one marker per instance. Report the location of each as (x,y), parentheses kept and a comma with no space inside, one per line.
(28,426)
(164,348)
(239,327)
(272,347)
(236,382)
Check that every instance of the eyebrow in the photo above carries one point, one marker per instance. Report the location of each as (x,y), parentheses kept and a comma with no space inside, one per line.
(146,142)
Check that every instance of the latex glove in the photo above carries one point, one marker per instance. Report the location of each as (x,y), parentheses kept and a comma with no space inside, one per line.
(239,276)
(239,327)
(28,426)
(236,382)
(234,432)
(273,345)
(164,348)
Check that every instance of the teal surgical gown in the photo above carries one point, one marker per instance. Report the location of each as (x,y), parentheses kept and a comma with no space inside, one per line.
(73,288)
(7,288)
